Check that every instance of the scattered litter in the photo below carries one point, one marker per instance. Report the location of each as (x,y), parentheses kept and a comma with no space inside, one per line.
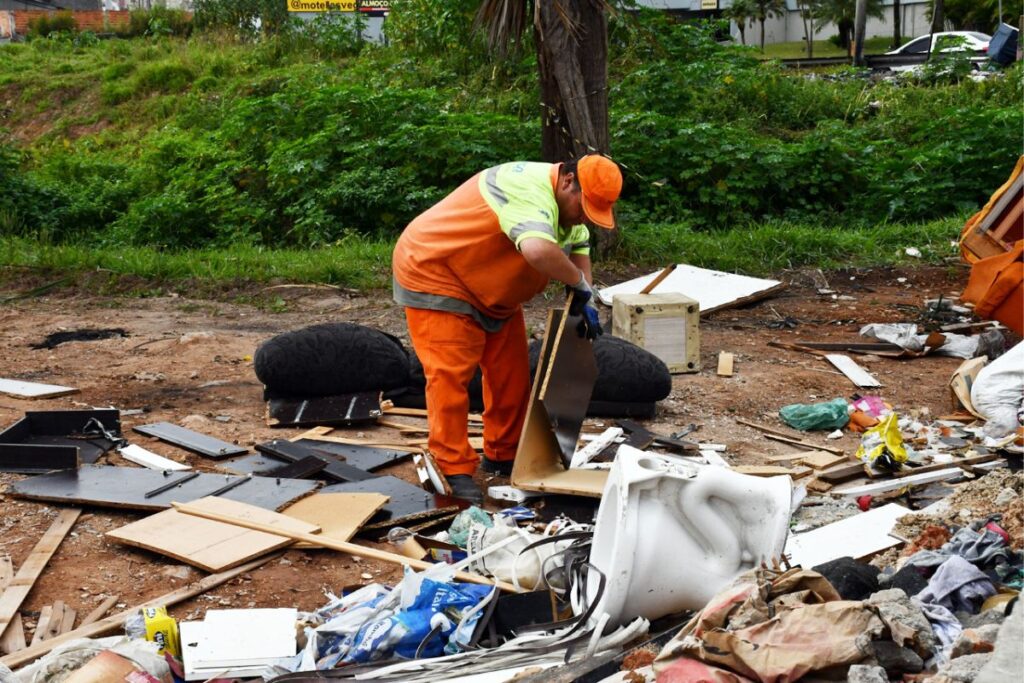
(856,537)
(832,414)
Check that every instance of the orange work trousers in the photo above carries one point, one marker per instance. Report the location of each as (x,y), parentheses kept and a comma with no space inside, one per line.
(450,347)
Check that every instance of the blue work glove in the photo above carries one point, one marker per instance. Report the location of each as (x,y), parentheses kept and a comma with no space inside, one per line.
(583,305)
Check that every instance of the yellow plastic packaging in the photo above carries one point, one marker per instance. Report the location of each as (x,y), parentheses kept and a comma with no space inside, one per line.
(162,629)
(882,445)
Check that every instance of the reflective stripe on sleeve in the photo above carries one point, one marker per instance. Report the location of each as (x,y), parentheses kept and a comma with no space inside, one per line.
(491,178)
(530,226)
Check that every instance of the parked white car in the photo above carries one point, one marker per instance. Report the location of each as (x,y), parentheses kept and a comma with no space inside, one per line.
(948,41)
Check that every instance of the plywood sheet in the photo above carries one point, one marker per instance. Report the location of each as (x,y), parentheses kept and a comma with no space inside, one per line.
(858,536)
(712,289)
(344,410)
(338,515)
(405,501)
(212,546)
(33,390)
(126,487)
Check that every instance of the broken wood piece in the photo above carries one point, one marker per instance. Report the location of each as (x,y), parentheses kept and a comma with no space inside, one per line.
(42,624)
(338,515)
(818,486)
(32,567)
(408,446)
(838,475)
(959,462)
(100,610)
(13,639)
(777,435)
(33,390)
(788,457)
(821,460)
(665,272)
(883,485)
(342,546)
(796,347)
(390,408)
(584,455)
(772,471)
(115,622)
(853,372)
(431,477)
(211,546)
(725,361)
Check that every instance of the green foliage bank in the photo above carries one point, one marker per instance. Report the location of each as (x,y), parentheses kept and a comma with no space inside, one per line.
(305,136)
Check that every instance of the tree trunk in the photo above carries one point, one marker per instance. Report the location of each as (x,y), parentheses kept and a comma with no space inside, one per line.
(938,16)
(897,39)
(762,35)
(572,58)
(743,31)
(808,21)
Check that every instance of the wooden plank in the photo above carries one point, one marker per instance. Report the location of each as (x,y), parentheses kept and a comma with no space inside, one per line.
(838,475)
(772,471)
(34,564)
(855,373)
(863,534)
(100,610)
(209,545)
(899,482)
(13,639)
(725,361)
(788,457)
(115,622)
(419,412)
(42,625)
(409,446)
(796,347)
(959,462)
(342,546)
(821,460)
(777,435)
(338,515)
(33,390)
(666,271)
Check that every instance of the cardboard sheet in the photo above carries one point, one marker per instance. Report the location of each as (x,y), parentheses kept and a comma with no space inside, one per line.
(713,289)
(209,545)
(33,390)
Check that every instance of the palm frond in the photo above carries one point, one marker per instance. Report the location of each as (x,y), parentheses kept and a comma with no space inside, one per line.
(504,22)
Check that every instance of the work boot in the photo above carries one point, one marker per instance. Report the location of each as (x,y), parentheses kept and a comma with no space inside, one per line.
(502,467)
(464,487)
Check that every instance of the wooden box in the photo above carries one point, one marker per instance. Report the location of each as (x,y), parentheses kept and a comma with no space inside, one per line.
(667,325)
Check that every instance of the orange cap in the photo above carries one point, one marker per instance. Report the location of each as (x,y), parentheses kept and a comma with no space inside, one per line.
(601,182)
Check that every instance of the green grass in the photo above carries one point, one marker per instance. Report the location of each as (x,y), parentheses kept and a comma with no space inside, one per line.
(361,263)
(775,246)
(365,264)
(822,48)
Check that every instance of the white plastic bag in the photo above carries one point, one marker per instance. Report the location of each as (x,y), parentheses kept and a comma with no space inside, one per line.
(998,392)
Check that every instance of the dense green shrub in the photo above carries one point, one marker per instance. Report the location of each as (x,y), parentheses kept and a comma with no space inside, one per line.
(245,18)
(156,21)
(47,24)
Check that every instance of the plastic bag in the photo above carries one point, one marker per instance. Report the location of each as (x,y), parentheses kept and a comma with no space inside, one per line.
(459,529)
(882,446)
(830,415)
(438,605)
(509,563)
(998,392)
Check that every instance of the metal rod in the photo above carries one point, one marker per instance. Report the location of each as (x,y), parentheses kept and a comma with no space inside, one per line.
(171,484)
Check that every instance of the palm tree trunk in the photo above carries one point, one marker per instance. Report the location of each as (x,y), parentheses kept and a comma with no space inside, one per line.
(572,57)
(896,28)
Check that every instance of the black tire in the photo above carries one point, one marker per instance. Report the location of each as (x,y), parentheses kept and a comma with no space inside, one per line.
(331,359)
(626,373)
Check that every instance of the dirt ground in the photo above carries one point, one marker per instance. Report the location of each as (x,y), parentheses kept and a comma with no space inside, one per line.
(188,359)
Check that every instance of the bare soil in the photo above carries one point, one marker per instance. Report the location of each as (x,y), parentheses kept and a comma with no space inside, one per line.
(188,359)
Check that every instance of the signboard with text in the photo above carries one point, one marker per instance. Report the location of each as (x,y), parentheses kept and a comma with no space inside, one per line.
(375,6)
(709,4)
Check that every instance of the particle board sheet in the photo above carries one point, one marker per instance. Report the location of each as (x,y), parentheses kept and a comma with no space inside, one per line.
(126,487)
(337,468)
(855,373)
(35,459)
(369,458)
(405,501)
(539,465)
(250,464)
(33,390)
(84,430)
(190,440)
(712,289)
(209,545)
(858,536)
(568,384)
(339,515)
(335,411)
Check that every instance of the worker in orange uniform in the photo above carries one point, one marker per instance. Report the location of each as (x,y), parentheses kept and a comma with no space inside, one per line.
(463,270)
